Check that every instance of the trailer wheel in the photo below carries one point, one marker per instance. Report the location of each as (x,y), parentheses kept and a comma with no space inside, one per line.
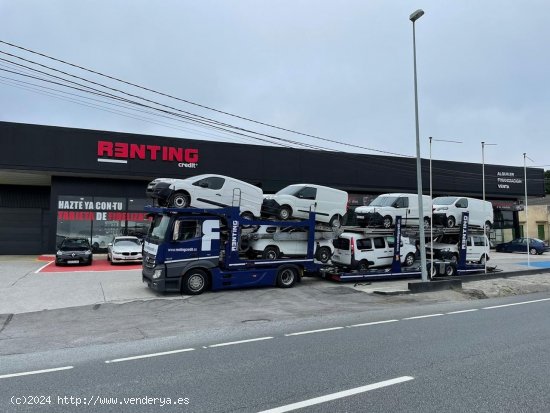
(409,259)
(287,276)
(194,282)
(271,253)
(450,270)
(451,221)
(387,223)
(285,212)
(323,254)
(179,200)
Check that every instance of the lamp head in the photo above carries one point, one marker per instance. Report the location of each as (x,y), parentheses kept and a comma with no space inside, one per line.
(416,15)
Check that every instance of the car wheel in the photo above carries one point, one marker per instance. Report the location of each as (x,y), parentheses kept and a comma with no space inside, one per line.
(247,215)
(363,265)
(533,251)
(285,212)
(387,223)
(451,222)
(179,200)
(287,276)
(409,259)
(454,258)
(483,259)
(335,222)
(194,282)
(426,223)
(450,270)
(270,253)
(323,254)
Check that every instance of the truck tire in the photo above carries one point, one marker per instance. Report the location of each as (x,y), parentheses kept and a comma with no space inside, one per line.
(285,212)
(323,254)
(287,276)
(271,253)
(194,282)
(179,200)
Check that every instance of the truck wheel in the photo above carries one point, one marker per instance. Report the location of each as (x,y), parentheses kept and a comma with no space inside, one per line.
(387,223)
(335,221)
(323,254)
(285,212)
(287,277)
(450,270)
(194,282)
(409,259)
(451,222)
(270,253)
(179,200)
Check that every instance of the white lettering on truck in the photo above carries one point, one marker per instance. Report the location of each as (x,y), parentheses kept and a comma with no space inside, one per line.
(209,234)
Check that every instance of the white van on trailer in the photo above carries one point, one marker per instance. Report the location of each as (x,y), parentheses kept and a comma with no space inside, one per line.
(447,211)
(296,201)
(207,191)
(384,208)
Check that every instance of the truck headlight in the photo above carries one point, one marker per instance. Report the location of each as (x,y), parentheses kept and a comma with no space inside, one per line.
(157,274)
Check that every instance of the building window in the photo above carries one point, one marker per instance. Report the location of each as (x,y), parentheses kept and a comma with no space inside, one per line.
(540,231)
(100,219)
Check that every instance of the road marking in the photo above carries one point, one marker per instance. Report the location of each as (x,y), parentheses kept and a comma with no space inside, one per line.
(313,331)
(422,316)
(338,395)
(164,353)
(230,343)
(463,311)
(27,373)
(372,323)
(509,305)
(41,268)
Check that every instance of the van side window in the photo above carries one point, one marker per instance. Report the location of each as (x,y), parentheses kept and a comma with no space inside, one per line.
(307,193)
(379,242)
(212,182)
(469,242)
(402,202)
(364,244)
(478,242)
(462,203)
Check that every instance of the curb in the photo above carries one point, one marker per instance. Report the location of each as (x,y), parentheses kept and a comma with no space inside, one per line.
(490,276)
(438,285)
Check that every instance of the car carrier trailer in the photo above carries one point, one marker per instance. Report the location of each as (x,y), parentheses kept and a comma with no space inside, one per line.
(191,250)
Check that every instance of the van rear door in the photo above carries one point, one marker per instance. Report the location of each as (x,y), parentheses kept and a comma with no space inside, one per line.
(342,250)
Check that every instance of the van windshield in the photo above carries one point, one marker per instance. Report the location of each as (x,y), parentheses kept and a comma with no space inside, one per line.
(444,200)
(289,190)
(382,201)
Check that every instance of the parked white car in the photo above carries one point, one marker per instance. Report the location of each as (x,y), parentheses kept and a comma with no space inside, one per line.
(124,249)
(447,211)
(207,191)
(296,201)
(360,252)
(383,210)
(445,246)
(273,242)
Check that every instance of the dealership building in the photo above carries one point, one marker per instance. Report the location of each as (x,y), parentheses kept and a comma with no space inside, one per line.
(57,182)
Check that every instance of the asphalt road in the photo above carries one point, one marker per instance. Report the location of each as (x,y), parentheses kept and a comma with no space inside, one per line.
(488,355)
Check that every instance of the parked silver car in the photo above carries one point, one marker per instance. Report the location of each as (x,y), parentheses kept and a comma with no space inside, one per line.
(125,249)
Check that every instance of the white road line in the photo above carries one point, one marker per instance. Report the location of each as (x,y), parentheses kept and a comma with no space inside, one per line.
(372,323)
(230,343)
(463,311)
(313,331)
(338,395)
(422,316)
(41,268)
(510,305)
(164,353)
(27,373)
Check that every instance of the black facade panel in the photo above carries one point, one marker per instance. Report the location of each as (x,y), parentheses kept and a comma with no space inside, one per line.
(22,231)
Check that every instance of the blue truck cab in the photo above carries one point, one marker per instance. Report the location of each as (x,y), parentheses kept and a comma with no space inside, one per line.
(190,250)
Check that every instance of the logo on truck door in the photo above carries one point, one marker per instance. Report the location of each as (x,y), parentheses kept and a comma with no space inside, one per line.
(210,231)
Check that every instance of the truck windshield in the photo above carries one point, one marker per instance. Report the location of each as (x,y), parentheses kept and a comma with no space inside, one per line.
(158,227)
(382,201)
(290,190)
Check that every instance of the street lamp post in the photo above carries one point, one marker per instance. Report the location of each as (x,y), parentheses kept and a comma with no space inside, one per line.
(483,144)
(526,232)
(413,18)
(431,198)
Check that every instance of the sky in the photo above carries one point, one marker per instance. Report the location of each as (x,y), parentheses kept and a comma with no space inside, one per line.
(339,70)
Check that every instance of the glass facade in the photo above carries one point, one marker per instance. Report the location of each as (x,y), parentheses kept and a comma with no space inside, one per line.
(100,219)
